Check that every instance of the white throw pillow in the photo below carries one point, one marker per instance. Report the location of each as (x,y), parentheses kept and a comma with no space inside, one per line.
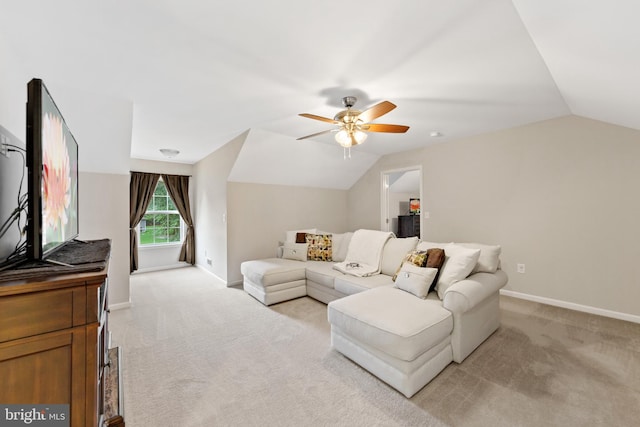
(291,235)
(394,252)
(458,264)
(296,251)
(415,280)
(489,257)
(340,246)
(423,246)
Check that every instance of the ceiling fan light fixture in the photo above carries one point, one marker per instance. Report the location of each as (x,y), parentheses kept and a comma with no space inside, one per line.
(343,137)
(353,124)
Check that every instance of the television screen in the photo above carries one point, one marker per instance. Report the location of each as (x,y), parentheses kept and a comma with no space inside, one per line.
(52,161)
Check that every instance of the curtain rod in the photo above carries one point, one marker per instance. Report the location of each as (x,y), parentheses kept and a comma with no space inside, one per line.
(160,173)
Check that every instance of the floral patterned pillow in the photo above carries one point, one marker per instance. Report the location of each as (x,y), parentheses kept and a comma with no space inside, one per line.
(319,247)
(415,257)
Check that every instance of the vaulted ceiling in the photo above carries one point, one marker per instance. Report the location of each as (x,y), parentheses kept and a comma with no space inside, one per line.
(199,73)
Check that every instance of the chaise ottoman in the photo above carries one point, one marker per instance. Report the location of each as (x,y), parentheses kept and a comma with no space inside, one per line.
(274,280)
(403,340)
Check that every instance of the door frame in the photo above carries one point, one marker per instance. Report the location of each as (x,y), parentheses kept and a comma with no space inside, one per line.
(385,222)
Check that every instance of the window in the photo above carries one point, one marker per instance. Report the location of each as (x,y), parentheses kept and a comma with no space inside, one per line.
(161,223)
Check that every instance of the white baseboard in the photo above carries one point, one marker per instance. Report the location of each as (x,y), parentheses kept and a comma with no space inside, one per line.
(573,306)
(213,274)
(235,284)
(120,306)
(162,267)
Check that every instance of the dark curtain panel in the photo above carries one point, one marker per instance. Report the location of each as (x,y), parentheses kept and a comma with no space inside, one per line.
(178,188)
(141,190)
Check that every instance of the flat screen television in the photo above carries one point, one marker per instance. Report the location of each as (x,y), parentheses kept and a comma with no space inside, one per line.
(52,166)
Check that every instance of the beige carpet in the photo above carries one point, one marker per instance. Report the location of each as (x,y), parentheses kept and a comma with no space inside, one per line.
(198,354)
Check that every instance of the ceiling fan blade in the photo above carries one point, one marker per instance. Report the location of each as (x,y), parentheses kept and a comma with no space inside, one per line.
(378,127)
(322,119)
(376,111)
(316,134)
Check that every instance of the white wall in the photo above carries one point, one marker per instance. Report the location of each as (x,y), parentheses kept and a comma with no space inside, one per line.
(259,216)
(240,221)
(101,124)
(364,198)
(104,213)
(153,166)
(210,176)
(559,196)
(162,257)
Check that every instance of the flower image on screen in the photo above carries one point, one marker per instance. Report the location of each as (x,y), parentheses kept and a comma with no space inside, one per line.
(59,178)
(414,206)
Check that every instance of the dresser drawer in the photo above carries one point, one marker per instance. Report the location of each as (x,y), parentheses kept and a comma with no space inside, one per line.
(26,315)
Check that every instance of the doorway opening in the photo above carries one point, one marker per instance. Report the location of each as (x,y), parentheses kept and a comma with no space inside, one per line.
(400,189)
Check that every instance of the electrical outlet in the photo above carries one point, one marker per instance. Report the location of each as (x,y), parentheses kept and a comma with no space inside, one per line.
(520,268)
(209,261)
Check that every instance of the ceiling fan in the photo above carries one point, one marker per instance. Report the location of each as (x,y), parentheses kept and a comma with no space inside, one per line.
(353,124)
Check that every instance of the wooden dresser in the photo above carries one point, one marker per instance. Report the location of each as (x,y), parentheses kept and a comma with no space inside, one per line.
(54,344)
(408,225)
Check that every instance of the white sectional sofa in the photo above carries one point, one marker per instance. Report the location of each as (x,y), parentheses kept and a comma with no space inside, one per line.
(388,327)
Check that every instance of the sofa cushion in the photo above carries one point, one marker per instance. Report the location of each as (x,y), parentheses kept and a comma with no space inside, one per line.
(322,273)
(467,294)
(415,280)
(489,259)
(291,235)
(273,271)
(415,257)
(295,251)
(435,259)
(340,246)
(458,264)
(394,252)
(319,247)
(348,284)
(424,245)
(392,321)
